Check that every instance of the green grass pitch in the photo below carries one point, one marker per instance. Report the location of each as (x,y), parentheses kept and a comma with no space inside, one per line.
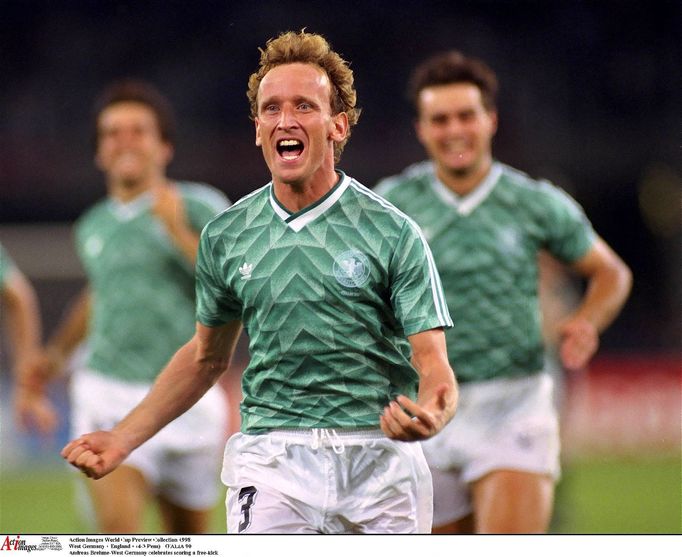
(595,496)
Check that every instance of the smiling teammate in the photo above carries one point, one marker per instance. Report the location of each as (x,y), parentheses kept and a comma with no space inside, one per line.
(495,464)
(138,248)
(343,308)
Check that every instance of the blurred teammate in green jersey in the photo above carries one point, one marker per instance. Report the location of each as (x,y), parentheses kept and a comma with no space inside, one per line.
(138,247)
(495,465)
(345,315)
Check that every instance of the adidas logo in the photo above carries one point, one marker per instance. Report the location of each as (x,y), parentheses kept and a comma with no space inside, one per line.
(245,270)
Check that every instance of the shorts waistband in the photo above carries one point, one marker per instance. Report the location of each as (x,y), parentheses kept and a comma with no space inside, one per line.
(327,437)
(373,433)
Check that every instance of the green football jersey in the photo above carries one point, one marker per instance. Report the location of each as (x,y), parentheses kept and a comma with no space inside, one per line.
(327,297)
(142,286)
(6,264)
(486,246)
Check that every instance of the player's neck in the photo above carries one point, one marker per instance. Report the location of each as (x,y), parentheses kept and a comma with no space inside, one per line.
(125,191)
(296,196)
(467,180)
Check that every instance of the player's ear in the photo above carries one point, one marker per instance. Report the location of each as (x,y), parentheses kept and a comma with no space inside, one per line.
(418,129)
(168,153)
(339,127)
(492,114)
(98,162)
(259,141)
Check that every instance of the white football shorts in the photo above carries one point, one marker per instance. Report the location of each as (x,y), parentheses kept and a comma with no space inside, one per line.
(182,461)
(326,481)
(508,423)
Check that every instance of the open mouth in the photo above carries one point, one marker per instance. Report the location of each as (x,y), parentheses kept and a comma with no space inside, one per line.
(289,149)
(456,147)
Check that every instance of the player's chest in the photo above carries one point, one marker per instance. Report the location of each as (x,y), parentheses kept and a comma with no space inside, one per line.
(485,238)
(114,245)
(304,267)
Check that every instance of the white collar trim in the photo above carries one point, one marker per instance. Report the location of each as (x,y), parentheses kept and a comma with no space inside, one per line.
(129,210)
(298,221)
(465,204)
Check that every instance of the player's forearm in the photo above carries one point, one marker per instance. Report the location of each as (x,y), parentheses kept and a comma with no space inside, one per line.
(70,333)
(606,293)
(23,320)
(186,240)
(24,333)
(169,208)
(180,385)
(431,379)
(429,356)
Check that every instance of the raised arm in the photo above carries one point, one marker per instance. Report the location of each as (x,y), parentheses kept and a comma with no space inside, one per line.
(608,285)
(170,210)
(193,369)
(407,420)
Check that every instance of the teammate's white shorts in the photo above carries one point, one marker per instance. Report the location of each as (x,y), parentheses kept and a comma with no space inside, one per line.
(326,481)
(500,424)
(182,461)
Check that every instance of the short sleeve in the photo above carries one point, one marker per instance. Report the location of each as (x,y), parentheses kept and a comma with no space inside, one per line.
(569,233)
(215,303)
(6,265)
(202,203)
(416,291)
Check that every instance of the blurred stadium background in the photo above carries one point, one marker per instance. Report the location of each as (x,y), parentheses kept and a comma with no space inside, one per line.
(590,98)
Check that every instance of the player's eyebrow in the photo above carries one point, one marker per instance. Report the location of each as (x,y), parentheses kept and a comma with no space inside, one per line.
(277,99)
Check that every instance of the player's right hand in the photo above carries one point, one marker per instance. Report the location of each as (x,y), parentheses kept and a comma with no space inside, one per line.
(579,342)
(95,454)
(169,207)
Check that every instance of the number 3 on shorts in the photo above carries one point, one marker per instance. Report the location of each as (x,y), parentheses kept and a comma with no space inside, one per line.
(247,496)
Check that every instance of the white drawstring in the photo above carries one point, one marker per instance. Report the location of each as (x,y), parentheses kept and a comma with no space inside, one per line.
(319,434)
(336,442)
(315,444)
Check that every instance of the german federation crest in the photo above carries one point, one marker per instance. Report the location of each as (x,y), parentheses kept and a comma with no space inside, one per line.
(351,269)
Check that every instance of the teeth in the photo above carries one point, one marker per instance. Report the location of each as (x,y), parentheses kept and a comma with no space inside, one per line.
(289,149)
(456,145)
(127,157)
(289,142)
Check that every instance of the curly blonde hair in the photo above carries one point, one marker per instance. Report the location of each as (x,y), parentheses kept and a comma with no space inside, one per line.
(309,48)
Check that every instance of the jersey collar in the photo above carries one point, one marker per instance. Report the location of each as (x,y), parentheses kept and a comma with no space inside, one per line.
(465,204)
(296,221)
(129,210)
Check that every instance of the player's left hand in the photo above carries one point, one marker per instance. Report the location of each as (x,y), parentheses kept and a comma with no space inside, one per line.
(423,421)
(34,410)
(579,342)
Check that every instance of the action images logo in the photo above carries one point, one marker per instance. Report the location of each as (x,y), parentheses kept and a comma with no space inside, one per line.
(17,544)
